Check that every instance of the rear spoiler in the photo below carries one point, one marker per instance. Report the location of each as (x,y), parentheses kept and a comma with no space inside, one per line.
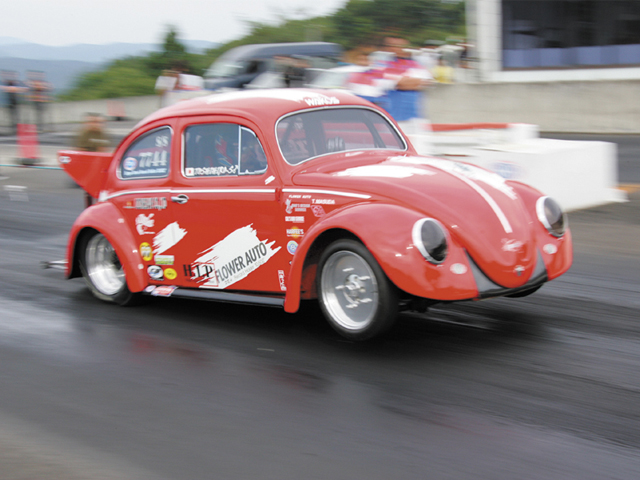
(88,169)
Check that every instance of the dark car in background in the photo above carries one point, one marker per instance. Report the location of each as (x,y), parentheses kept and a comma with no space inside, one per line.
(241,65)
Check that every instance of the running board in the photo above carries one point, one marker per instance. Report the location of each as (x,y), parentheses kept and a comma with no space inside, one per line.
(214,295)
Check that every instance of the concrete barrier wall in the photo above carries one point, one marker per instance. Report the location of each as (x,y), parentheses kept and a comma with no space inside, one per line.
(569,107)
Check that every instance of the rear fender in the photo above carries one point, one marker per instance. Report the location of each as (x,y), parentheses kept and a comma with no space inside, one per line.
(106,219)
(386,232)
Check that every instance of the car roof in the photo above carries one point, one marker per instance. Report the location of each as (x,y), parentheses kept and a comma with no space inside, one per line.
(262,105)
(266,50)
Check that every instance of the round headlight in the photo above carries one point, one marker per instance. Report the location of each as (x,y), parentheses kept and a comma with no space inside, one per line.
(551,216)
(430,239)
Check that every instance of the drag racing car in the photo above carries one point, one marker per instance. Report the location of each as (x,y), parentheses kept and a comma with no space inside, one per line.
(276,196)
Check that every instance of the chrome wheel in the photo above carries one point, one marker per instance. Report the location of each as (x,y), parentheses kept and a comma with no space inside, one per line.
(103,268)
(355,295)
(349,290)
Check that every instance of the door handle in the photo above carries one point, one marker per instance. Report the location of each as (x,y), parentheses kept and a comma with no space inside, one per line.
(182,198)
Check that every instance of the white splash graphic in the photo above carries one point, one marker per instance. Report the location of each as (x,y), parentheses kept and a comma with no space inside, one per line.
(143,222)
(384,171)
(168,237)
(232,258)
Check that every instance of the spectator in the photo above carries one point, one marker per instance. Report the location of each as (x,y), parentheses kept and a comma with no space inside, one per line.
(429,55)
(406,101)
(39,90)
(166,83)
(12,87)
(93,137)
(368,83)
(443,73)
(450,54)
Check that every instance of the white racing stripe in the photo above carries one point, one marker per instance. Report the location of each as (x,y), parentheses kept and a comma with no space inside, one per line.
(108,196)
(492,203)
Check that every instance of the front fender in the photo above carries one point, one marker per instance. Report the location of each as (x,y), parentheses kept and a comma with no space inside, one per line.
(386,232)
(106,219)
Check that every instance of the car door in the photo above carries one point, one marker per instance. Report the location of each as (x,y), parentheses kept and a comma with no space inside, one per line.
(226,209)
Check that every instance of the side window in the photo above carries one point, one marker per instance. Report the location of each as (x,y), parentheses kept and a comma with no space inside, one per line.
(148,156)
(222,150)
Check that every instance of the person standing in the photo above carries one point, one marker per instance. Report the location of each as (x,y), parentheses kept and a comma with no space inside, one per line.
(406,102)
(12,88)
(93,137)
(39,95)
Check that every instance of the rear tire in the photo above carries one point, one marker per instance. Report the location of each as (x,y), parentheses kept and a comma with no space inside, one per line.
(102,270)
(355,295)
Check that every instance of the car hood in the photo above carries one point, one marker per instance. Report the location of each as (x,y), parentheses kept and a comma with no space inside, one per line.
(479,209)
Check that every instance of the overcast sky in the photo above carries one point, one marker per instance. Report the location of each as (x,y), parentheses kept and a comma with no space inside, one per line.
(66,22)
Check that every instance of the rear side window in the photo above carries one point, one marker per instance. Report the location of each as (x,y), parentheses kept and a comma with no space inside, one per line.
(222,150)
(148,156)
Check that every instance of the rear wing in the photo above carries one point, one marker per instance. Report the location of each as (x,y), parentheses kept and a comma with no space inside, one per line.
(88,169)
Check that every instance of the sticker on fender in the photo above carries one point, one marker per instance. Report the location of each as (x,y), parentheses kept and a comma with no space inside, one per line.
(162,291)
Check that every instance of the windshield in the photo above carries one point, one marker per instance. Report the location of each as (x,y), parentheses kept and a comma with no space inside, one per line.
(306,135)
(224,69)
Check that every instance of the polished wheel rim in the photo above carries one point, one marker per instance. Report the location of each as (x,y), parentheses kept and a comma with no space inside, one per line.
(349,290)
(103,267)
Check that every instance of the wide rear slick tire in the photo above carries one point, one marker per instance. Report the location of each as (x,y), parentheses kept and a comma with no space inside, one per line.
(355,295)
(102,270)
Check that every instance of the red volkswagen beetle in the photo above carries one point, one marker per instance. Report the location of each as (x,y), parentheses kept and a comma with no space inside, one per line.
(270,197)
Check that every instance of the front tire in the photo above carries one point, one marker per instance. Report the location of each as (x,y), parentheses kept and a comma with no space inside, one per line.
(355,295)
(102,270)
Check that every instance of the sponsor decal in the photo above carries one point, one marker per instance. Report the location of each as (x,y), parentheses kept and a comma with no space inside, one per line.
(143,223)
(291,207)
(168,237)
(321,100)
(164,259)
(511,245)
(231,259)
(130,164)
(292,246)
(318,210)
(294,219)
(283,285)
(211,171)
(170,273)
(155,272)
(146,252)
(295,232)
(148,203)
(324,201)
(149,289)
(163,291)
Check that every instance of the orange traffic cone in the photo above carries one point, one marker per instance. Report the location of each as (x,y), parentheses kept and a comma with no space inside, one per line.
(28,144)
